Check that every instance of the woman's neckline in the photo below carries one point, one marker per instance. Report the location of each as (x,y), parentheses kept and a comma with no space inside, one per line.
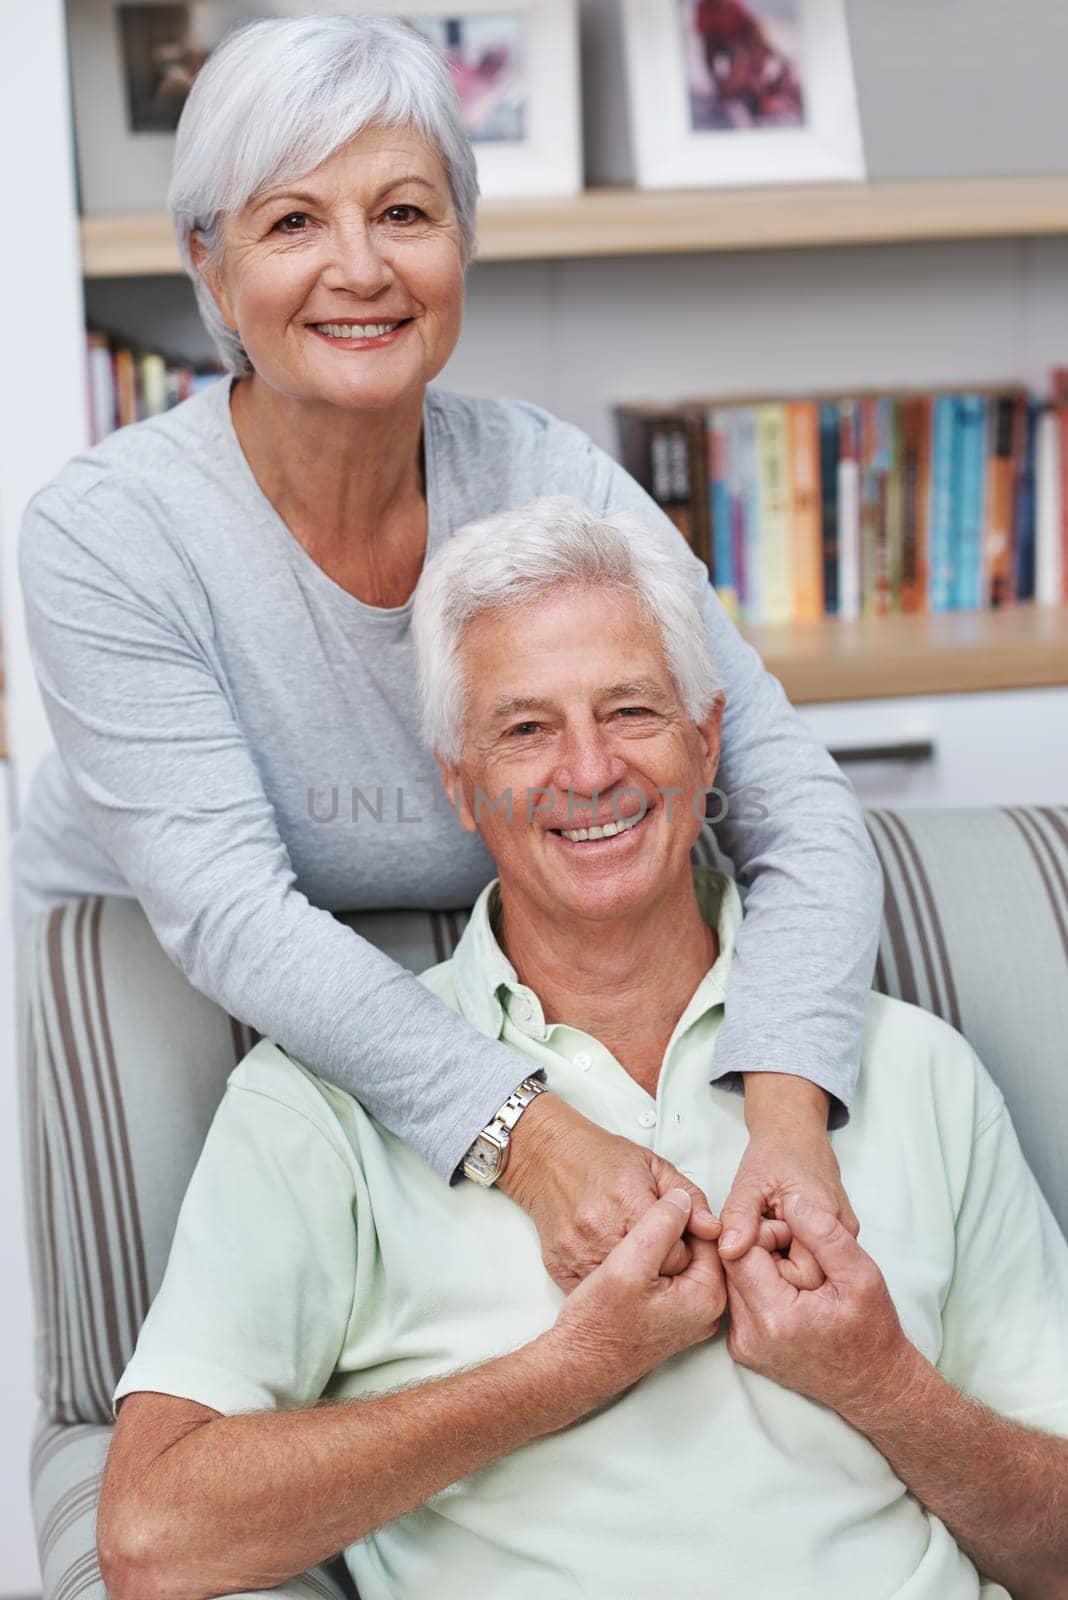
(295,551)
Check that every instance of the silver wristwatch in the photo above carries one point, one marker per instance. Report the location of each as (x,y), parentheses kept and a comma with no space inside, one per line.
(484,1161)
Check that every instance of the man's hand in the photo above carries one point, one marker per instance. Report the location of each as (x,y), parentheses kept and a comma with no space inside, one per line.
(789,1153)
(627,1316)
(835,1343)
(1000,1486)
(585,1189)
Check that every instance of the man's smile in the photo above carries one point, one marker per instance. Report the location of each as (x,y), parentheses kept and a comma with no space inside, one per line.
(610,837)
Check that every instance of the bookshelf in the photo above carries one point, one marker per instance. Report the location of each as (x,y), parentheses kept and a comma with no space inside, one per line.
(619,220)
(954,652)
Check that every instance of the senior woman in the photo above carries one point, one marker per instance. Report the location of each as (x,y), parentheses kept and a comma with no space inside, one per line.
(219,601)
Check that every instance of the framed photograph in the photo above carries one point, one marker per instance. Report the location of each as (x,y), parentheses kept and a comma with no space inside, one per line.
(487,59)
(514,63)
(741,92)
(163,49)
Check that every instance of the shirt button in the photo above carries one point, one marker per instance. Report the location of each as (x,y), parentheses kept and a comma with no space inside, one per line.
(524,1009)
(583,1059)
(647,1119)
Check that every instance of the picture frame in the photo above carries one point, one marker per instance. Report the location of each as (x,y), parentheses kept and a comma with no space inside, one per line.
(515,63)
(546,159)
(733,92)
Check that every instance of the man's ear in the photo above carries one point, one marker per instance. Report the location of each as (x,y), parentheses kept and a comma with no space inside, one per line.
(454,789)
(711,731)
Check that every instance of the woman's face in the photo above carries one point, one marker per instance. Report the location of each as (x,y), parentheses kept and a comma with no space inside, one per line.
(369,237)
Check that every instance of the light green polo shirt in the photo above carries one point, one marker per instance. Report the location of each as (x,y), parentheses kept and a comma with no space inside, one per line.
(316,1255)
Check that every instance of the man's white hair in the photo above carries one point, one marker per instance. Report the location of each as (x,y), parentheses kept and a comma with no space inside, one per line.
(277,98)
(514,558)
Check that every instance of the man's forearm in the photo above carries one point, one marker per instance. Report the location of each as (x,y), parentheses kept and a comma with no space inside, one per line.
(244,1502)
(1000,1488)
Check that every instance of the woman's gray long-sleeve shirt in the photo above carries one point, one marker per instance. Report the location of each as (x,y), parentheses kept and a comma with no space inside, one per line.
(238,747)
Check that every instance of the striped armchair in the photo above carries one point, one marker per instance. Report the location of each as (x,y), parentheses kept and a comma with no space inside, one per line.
(122,1064)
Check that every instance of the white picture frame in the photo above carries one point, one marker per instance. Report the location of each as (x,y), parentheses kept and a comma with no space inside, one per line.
(672,83)
(122,170)
(548,160)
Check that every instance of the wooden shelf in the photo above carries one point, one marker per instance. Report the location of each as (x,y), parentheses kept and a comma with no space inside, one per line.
(875,658)
(1017,647)
(625,221)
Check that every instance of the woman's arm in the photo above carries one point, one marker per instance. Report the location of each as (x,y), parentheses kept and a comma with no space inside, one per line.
(147,732)
(146,729)
(805,952)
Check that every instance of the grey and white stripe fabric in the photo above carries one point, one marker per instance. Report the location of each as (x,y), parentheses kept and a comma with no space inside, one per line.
(975,928)
(122,1064)
(66,1464)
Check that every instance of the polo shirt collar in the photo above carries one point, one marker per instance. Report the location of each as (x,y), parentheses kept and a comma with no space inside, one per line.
(486,981)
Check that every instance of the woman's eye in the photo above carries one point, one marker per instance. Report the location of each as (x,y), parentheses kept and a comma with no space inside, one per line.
(302,216)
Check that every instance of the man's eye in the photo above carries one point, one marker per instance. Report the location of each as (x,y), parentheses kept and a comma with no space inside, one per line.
(634,711)
(525,728)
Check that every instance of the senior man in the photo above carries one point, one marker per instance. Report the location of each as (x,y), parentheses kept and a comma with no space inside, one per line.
(345,1354)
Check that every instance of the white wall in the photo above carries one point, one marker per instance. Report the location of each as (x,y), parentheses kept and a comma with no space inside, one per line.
(18,1560)
(42,404)
(42,422)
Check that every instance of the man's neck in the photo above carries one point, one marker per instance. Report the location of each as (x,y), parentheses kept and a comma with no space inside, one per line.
(625,982)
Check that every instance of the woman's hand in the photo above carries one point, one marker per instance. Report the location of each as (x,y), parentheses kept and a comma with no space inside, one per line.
(585,1189)
(788,1153)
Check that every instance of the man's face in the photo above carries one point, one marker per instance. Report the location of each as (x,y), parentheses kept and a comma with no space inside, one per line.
(573,695)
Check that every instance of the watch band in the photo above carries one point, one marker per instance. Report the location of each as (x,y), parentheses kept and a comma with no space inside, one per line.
(517,1102)
(484,1161)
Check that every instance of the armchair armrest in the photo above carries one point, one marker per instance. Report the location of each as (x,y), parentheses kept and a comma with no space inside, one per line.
(67,1463)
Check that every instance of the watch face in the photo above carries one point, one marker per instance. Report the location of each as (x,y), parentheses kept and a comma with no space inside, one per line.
(483,1160)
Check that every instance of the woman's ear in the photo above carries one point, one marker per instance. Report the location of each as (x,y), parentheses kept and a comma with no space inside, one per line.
(213,278)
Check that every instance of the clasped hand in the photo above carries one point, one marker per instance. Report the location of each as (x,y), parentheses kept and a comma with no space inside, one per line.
(839,1344)
(585,1189)
(836,1343)
(649,1271)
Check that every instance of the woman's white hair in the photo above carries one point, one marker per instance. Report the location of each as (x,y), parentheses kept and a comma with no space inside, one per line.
(277,98)
(514,558)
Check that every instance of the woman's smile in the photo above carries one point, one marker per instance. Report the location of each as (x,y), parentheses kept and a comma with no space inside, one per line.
(359,336)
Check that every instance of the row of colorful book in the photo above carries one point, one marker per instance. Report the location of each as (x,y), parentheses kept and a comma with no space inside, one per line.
(864,504)
(128,383)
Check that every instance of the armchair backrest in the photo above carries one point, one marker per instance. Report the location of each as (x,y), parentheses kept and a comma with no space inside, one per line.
(975,929)
(122,1062)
